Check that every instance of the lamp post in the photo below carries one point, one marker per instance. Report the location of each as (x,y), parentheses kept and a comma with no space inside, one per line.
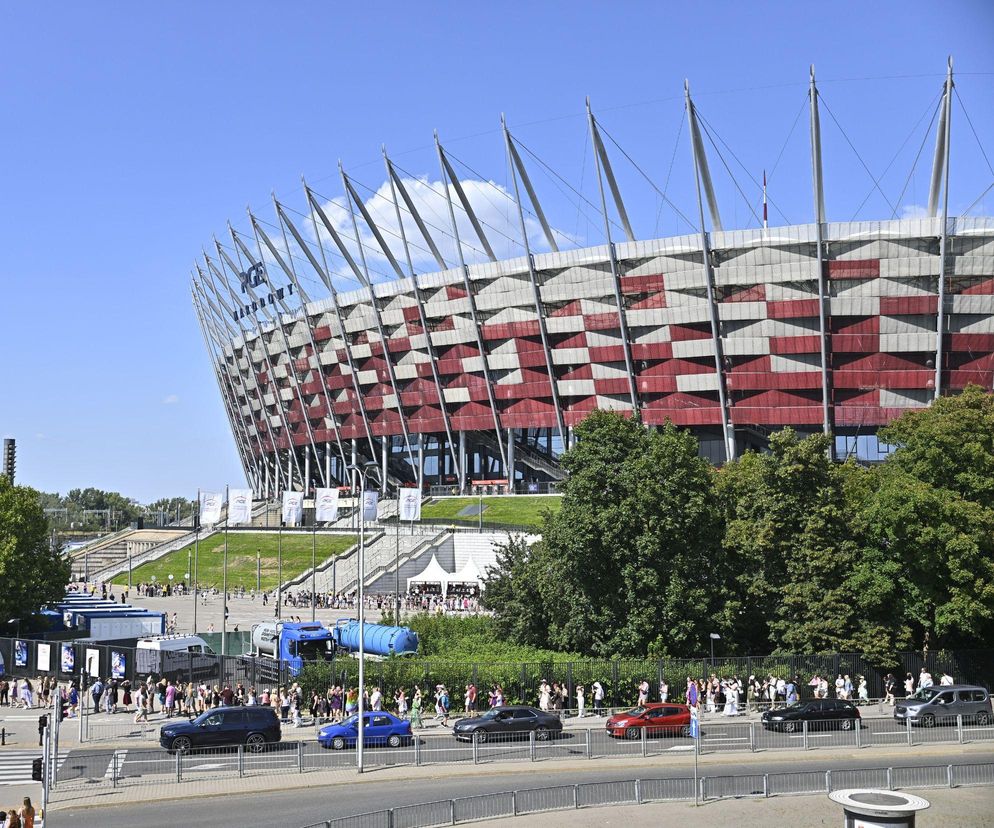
(361,576)
(714,637)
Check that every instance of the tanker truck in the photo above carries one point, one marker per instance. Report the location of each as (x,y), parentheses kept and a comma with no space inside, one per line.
(295,643)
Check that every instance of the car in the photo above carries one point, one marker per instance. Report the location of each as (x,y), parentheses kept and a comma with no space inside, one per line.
(379,729)
(508,722)
(657,719)
(941,704)
(820,714)
(254,726)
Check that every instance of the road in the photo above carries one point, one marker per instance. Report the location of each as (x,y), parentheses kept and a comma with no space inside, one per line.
(361,795)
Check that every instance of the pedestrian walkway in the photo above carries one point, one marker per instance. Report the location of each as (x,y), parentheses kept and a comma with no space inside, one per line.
(15,765)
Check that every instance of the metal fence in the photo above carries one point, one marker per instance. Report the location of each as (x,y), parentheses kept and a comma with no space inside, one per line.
(643,791)
(143,765)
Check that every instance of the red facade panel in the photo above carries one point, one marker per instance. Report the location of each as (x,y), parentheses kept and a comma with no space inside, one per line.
(854,269)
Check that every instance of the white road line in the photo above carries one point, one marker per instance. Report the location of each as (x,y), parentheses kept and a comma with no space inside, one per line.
(119,757)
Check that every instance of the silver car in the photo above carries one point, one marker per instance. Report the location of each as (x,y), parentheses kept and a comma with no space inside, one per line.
(940,704)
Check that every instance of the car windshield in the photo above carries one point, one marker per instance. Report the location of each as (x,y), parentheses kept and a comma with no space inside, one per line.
(493,714)
(315,650)
(350,721)
(796,706)
(635,711)
(925,694)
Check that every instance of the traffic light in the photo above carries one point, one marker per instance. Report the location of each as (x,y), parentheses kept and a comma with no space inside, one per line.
(36,770)
(9,457)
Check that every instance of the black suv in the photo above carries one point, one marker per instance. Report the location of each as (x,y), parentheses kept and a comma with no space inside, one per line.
(252,726)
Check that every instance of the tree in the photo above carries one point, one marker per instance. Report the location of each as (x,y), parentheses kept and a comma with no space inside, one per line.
(31,572)
(512,591)
(632,561)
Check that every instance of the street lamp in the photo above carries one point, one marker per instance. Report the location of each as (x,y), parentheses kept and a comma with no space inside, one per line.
(362,471)
(714,637)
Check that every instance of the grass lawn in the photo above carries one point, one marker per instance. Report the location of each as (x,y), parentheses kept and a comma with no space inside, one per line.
(242,548)
(519,510)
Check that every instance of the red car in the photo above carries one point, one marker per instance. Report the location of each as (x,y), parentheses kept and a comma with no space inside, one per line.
(657,719)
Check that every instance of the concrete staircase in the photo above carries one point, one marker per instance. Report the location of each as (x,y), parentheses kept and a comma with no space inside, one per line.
(96,560)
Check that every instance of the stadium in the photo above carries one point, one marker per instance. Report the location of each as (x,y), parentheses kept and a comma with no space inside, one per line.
(475,375)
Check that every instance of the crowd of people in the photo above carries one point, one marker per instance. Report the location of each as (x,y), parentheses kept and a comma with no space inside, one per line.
(23,817)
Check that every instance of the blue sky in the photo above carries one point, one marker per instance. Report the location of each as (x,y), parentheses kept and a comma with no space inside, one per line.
(133,132)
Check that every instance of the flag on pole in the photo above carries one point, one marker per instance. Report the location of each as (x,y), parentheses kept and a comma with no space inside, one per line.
(239,506)
(326,505)
(210,507)
(293,507)
(765,214)
(369,503)
(410,504)
(695,724)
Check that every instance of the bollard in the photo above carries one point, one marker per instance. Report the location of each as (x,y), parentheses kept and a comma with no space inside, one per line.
(959,727)
(590,754)
(514,803)
(241,761)
(417,751)
(179,766)
(911,739)
(804,731)
(3,736)
(859,733)
(645,743)
(828,781)
(638,791)
(452,811)
(476,749)
(949,776)
(300,757)
(531,744)
(752,737)
(890,779)
(113,770)
(766,785)
(576,796)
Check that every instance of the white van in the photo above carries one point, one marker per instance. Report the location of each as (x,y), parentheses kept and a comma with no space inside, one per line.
(175,644)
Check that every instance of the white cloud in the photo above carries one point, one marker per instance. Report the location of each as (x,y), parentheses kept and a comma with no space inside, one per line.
(170,399)
(494,208)
(914,211)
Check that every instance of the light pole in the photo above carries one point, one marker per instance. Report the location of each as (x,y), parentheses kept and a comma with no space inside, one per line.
(362,471)
(714,637)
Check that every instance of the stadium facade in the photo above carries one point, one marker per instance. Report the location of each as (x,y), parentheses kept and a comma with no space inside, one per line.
(480,371)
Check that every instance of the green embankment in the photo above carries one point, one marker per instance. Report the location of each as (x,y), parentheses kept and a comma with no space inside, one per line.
(520,510)
(242,551)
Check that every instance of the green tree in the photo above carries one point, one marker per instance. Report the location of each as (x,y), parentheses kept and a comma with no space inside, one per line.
(949,445)
(632,560)
(31,573)
(512,591)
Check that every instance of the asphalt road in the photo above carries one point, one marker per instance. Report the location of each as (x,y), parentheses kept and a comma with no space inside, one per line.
(300,807)
(143,759)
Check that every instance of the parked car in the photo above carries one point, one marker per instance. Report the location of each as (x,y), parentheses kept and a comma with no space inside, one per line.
(507,722)
(379,729)
(820,714)
(934,705)
(253,726)
(655,719)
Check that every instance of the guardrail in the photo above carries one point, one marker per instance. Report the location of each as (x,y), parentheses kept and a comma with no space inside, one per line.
(670,789)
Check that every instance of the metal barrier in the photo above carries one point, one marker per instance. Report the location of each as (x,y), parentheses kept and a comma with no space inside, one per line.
(641,791)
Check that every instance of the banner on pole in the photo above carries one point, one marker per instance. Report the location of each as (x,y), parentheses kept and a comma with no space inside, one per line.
(210,507)
(239,506)
(293,507)
(369,503)
(326,505)
(410,504)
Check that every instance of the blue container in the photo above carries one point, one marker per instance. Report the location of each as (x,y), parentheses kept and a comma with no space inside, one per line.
(379,639)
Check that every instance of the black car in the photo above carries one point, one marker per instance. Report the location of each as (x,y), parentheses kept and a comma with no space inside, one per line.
(252,726)
(508,722)
(820,714)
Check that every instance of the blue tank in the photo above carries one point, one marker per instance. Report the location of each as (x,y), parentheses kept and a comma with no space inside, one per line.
(379,639)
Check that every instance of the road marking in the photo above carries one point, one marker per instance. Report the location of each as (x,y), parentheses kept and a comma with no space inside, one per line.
(681,747)
(119,758)
(212,766)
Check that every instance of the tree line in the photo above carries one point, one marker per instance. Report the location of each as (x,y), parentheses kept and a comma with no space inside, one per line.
(654,549)
(96,508)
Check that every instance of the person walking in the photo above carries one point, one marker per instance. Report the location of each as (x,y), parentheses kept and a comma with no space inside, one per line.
(598,689)
(401,700)
(27,813)
(416,709)
(580,701)
(643,697)
(889,684)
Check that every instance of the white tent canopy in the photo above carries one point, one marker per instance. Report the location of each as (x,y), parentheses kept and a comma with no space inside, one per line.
(469,574)
(432,574)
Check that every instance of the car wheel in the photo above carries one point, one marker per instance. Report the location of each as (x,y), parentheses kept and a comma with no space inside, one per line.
(255,743)
(846,724)
(182,744)
(928,720)
(338,743)
(983,718)
(685,730)
(542,734)
(394,741)
(481,736)
(789,727)
(632,733)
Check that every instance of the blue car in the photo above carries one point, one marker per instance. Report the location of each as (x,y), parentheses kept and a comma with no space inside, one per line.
(381,728)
